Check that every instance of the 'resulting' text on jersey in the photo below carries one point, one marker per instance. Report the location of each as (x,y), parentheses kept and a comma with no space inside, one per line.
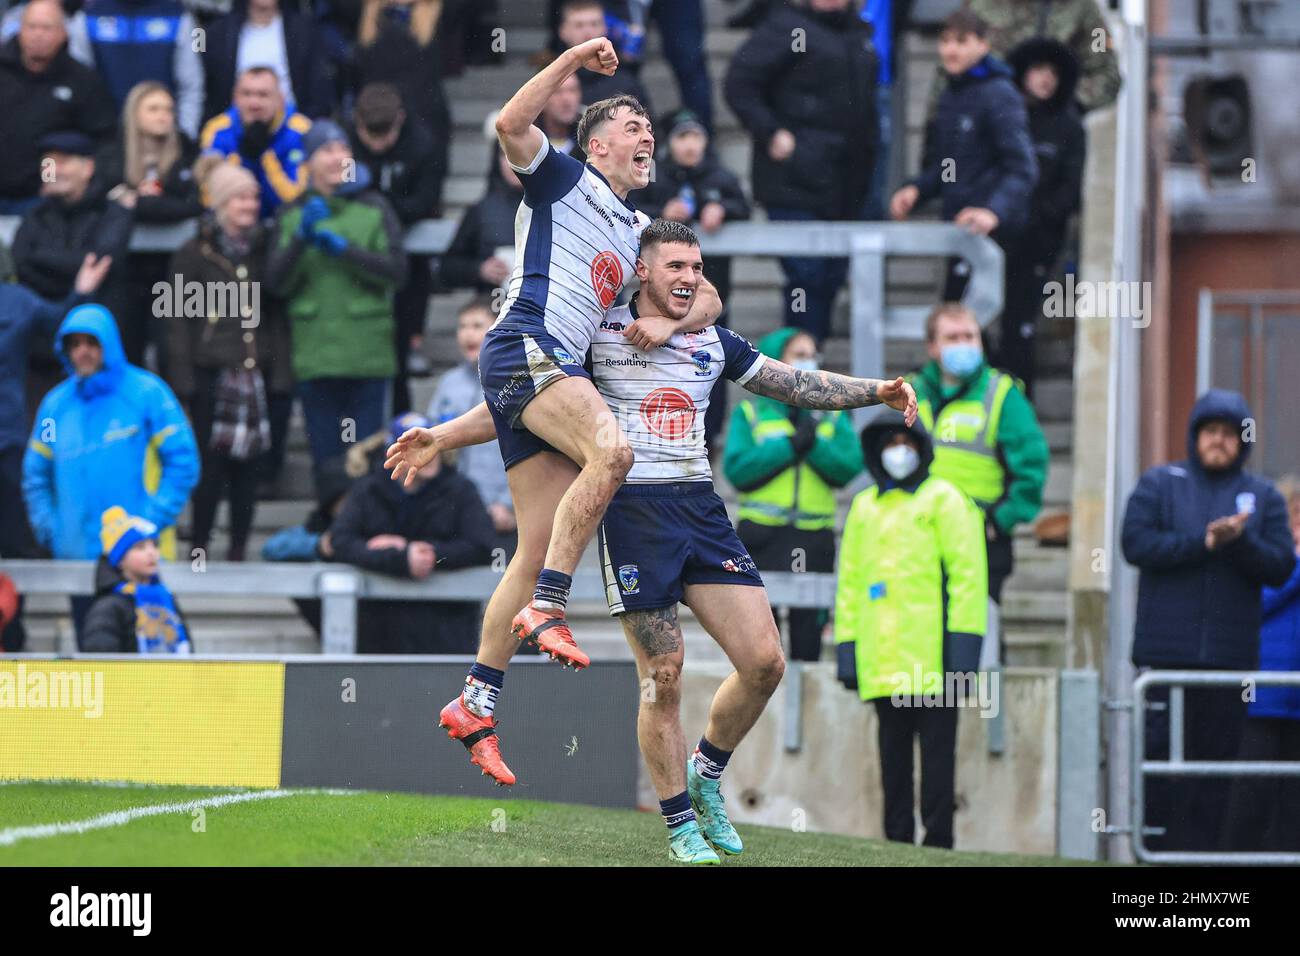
(660,397)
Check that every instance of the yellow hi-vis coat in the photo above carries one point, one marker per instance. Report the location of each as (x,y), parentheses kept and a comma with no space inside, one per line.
(903,556)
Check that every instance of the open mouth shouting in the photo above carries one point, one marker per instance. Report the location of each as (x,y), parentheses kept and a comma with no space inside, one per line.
(641,163)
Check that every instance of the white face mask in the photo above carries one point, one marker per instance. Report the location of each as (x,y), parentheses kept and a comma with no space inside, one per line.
(806,365)
(900,461)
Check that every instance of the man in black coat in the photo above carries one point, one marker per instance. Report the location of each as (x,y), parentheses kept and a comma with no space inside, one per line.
(44,90)
(438,522)
(804,85)
(1047,74)
(305,55)
(691,185)
(1206,536)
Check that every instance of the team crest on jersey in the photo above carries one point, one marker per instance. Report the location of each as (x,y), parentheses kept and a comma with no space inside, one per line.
(702,361)
(629,578)
(606,278)
(668,413)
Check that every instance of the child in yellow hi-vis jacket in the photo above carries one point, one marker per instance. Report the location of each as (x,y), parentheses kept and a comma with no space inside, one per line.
(910,613)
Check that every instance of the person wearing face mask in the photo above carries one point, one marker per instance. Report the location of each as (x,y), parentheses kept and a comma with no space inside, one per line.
(786,463)
(910,614)
(987,438)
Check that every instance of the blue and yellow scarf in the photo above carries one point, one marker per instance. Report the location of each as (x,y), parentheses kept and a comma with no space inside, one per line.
(158,625)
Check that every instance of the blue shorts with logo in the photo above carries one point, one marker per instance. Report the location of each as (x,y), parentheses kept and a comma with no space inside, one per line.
(656,539)
(518,359)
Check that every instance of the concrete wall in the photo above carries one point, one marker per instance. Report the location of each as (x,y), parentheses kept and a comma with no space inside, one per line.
(1005,803)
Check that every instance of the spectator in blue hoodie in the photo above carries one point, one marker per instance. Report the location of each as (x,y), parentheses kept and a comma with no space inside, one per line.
(22,313)
(1263,810)
(110,434)
(1206,536)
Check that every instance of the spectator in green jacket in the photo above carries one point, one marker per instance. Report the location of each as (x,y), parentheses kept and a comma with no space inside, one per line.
(786,463)
(987,438)
(337,262)
(910,618)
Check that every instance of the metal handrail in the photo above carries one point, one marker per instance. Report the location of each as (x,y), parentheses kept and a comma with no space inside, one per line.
(1178,766)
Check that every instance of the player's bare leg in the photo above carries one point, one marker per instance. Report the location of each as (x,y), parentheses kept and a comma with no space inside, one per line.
(536,486)
(571,416)
(739,618)
(656,641)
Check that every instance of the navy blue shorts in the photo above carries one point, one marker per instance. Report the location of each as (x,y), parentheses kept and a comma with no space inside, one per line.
(519,359)
(656,539)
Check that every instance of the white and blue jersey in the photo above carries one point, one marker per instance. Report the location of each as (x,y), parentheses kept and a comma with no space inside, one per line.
(666,528)
(660,397)
(576,244)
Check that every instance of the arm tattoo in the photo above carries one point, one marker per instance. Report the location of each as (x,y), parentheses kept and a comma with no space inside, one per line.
(656,631)
(812,389)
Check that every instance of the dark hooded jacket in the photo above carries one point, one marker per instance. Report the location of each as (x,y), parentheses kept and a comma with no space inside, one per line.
(1060,145)
(410,175)
(446,512)
(980,133)
(1199,608)
(109,627)
(486,226)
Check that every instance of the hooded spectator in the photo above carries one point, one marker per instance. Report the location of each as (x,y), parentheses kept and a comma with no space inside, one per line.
(1206,536)
(910,615)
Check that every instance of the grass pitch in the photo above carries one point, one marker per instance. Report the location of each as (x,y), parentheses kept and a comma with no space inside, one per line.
(79,824)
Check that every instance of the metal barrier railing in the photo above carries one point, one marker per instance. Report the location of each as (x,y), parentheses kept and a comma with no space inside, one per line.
(1178,766)
(339,587)
(867,245)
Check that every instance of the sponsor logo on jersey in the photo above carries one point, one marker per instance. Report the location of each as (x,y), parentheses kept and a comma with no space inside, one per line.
(608,326)
(739,564)
(668,413)
(606,278)
(629,578)
(564,358)
(630,361)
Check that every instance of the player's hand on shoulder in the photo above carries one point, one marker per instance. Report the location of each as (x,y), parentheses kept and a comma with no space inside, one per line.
(900,395)
(597,55)
(650,331)
(414,449)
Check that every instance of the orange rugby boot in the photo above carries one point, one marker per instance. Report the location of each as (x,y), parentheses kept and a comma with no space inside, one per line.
(479,735)
(547,629)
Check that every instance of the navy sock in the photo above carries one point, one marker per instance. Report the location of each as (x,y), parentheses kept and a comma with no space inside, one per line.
(677,810)
(553,588)
(709,760)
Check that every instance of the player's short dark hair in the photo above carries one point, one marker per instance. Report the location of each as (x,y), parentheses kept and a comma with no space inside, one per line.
(666,230)
(964,21)
(602,111)
(947,310)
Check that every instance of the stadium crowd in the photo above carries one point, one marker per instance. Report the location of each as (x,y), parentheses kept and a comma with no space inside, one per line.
(305,138)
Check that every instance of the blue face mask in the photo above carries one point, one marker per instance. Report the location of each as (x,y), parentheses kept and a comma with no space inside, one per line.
(806,365)
(960,360)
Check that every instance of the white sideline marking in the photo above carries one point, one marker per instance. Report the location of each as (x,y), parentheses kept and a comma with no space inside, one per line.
(119,817)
